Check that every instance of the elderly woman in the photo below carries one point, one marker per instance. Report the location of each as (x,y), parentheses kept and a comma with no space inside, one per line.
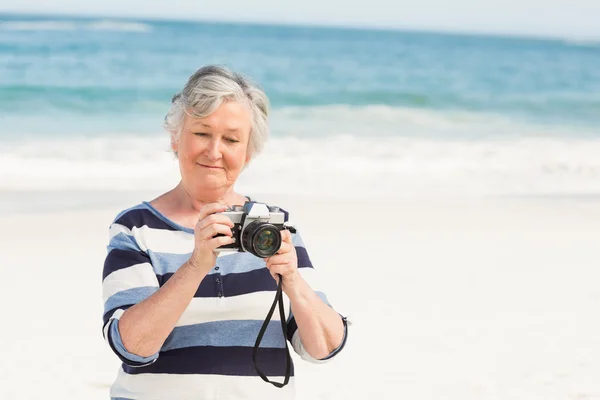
(182,316)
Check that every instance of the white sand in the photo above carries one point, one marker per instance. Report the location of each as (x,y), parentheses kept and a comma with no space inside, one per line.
(465,299)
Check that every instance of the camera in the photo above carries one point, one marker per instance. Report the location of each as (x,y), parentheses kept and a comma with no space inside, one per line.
(257,229)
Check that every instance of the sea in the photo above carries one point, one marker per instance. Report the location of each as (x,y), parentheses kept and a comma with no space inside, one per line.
(355,112)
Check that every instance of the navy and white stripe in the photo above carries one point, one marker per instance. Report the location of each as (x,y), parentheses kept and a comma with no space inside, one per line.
(210,348)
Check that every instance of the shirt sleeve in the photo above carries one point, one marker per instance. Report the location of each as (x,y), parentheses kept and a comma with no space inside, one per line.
(128,278)
(308,272)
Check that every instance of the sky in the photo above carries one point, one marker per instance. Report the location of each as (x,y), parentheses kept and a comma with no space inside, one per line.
(556,18)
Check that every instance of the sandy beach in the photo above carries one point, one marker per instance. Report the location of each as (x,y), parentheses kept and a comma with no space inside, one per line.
(472,298)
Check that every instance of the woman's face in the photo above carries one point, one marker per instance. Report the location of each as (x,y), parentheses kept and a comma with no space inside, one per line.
(213,150)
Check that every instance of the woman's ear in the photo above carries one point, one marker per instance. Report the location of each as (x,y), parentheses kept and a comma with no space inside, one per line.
(174,144)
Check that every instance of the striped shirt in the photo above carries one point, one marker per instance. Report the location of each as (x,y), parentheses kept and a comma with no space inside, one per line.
(208,355)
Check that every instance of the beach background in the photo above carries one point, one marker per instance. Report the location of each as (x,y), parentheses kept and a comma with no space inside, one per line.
(447,187)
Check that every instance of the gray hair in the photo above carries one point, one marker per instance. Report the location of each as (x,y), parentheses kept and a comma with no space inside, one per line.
(207,89)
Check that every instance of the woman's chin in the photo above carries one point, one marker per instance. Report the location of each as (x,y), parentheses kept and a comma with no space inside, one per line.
(210,183)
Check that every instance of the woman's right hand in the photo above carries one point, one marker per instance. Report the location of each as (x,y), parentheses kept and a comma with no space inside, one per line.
(208,226)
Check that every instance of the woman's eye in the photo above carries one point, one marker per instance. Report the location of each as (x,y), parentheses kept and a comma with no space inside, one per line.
(230,140)
(200,134)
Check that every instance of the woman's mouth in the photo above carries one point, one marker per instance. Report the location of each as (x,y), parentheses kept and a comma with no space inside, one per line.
(209,166)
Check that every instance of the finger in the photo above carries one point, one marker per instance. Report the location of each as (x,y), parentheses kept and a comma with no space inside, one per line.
(275,276)
(279,259)
(213,230)
(211,208)
(285,248)
(279,270)
(214,219)
(286,236)
(219,241)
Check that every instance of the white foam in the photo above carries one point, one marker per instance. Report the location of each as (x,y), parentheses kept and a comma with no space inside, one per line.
(333,150)
(108,25)
(38,26)
(328,166)
(583,41)
(49,25)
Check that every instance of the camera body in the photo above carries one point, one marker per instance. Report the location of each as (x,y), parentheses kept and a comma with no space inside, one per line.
(257,229)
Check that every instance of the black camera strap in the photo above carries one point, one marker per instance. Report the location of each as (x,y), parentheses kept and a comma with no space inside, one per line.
(288,361)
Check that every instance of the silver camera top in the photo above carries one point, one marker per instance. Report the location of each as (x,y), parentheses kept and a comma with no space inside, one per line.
(255,212)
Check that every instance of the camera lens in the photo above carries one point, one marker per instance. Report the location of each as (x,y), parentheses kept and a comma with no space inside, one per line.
(265,240)
(262,239)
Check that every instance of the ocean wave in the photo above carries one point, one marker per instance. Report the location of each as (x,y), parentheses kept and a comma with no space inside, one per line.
(328,166)
(108,25)
(366,122)
(383,120)
(582,42)
(70,91)
(104,25)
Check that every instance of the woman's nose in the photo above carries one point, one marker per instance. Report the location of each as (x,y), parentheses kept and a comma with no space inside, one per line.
(214,149)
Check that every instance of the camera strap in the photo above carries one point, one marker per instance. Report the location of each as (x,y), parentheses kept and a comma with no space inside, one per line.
(263,329)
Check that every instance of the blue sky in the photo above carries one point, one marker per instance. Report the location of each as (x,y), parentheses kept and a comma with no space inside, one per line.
(563,18)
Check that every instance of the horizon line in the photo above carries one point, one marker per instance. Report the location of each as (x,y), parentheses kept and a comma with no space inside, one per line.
(306,24)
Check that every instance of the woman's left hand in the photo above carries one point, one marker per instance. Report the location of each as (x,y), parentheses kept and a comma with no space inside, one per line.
(284,262)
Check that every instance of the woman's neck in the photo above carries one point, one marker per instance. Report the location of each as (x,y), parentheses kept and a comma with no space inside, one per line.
(193,202)
(181,207)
